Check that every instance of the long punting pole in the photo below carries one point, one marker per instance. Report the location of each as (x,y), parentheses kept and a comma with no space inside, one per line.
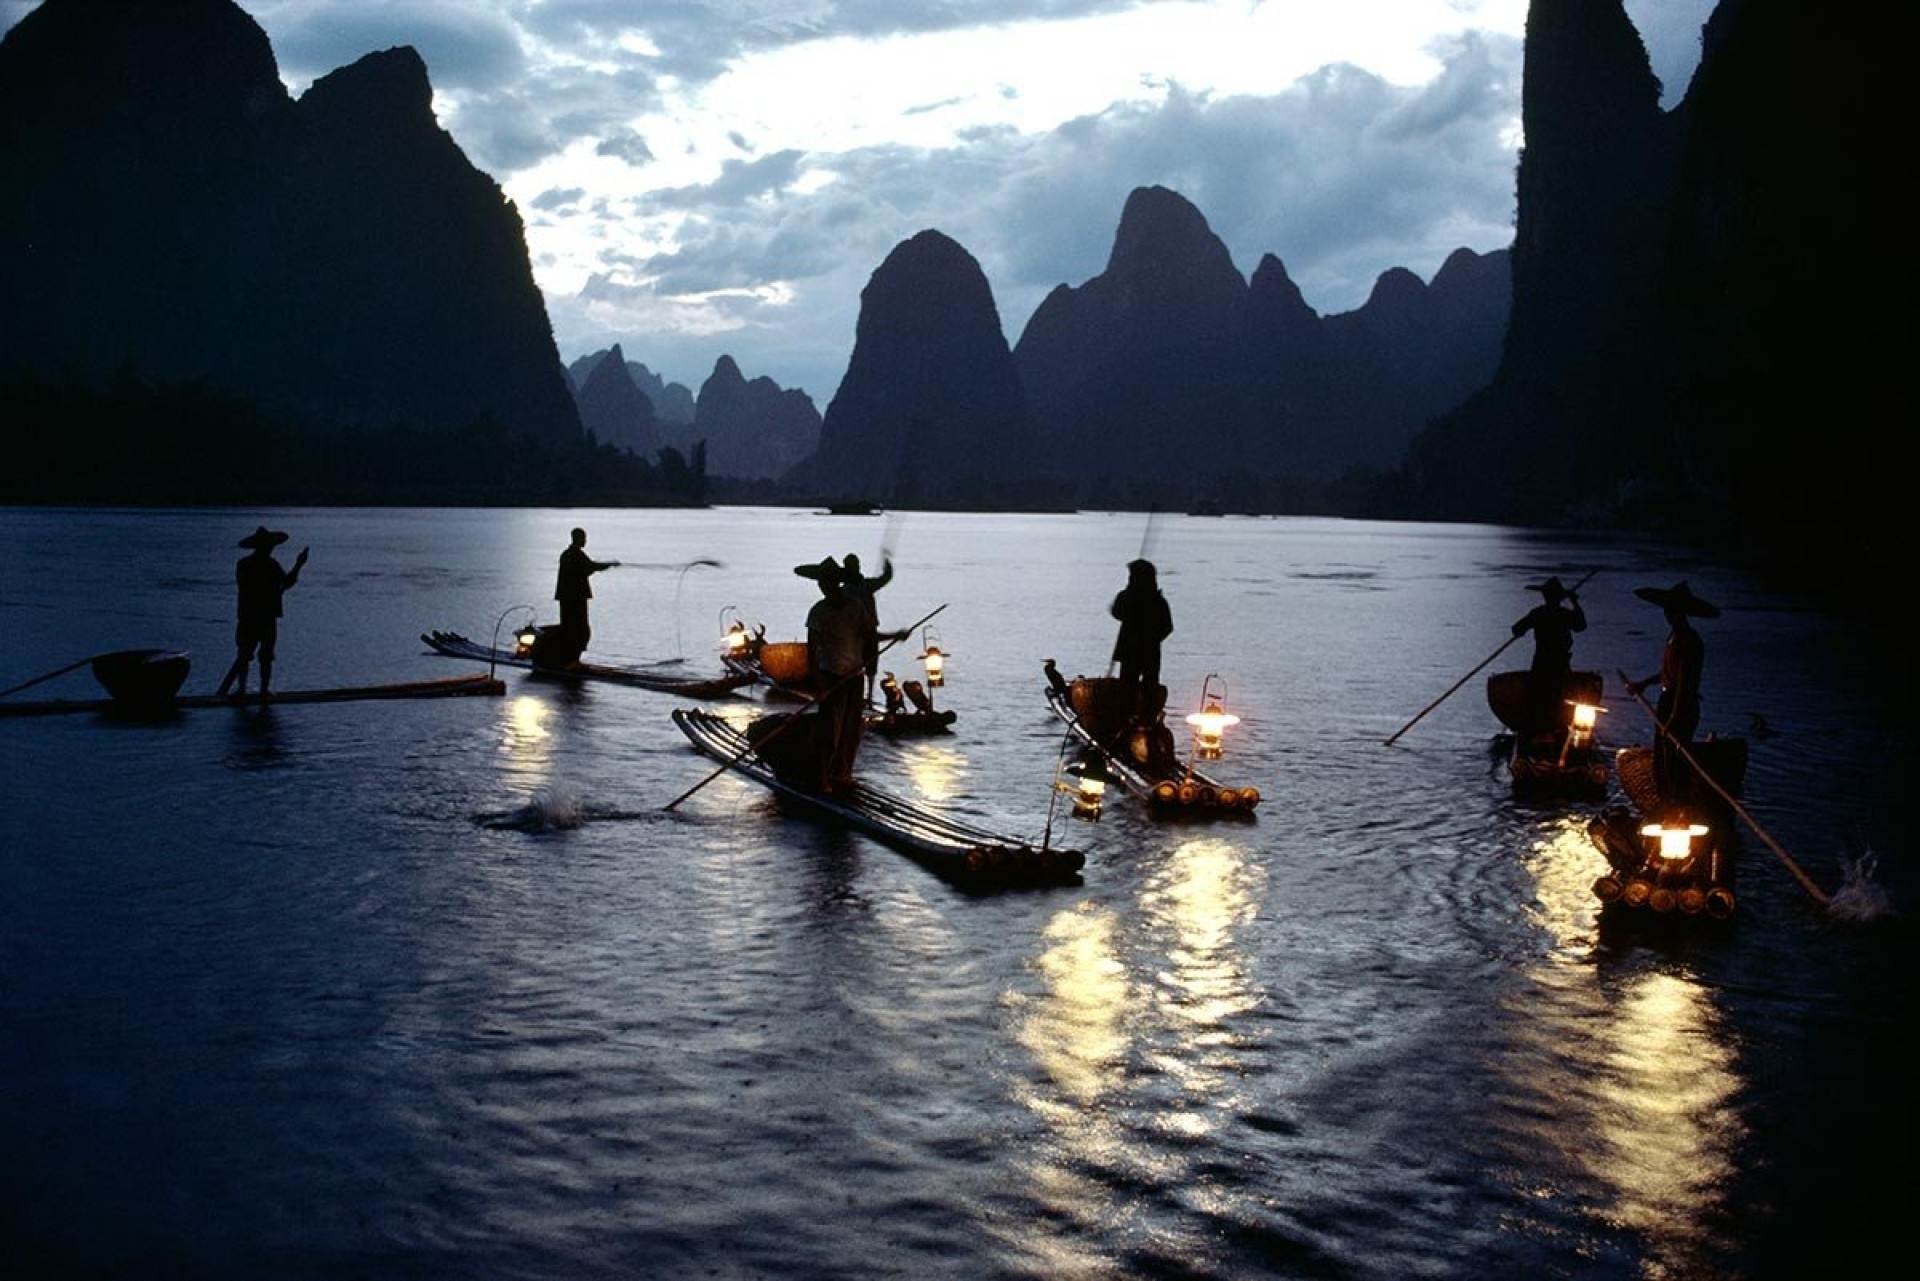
(1806,882)
(1469,676)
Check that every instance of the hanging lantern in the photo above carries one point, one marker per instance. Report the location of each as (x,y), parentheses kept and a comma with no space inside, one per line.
(1675,840)
(523,640)
(1585,717)
(1090,783)
(1210,723)
(935,660)
(734,640)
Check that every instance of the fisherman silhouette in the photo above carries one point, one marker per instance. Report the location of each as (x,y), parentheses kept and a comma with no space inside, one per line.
(573,590)
(262,582)
(1553,622)
(1145,621)
(1682,660)
(863,590)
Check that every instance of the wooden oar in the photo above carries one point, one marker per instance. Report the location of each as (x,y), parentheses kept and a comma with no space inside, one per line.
(1469,676)
(781,728)
(58,671)
(1806,882)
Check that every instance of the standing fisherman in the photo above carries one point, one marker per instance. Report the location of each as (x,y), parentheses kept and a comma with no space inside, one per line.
(1553,622)
(573,591)
(1682,659)
(863,589)
(1145,620)
(262,581)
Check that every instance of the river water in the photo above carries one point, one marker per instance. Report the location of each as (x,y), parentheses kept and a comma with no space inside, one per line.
(520,987)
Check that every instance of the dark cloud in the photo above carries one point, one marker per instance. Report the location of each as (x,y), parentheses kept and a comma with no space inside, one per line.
(465,47)
(625,144)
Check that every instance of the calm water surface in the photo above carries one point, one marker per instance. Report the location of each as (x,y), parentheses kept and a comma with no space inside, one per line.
(464,989)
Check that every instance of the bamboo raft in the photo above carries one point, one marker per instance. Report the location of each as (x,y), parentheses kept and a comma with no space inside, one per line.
(449,687)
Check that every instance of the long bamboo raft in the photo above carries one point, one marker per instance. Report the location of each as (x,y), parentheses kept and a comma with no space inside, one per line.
(965,854)
(448,687)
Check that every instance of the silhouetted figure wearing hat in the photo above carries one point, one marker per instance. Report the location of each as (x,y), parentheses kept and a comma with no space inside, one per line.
(863,589)
(1553,622)
(573,591)
(1681,662)
(262,581)
(837,631)
(1145,620)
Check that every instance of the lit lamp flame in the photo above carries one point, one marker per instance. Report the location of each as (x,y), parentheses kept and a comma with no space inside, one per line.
(1210,723)
(1091,779)
(1676,842)
(523,640)
(734,641)
(1585,717)
(935,660)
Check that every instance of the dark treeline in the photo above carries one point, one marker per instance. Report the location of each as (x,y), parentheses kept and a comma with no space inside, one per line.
(138,443)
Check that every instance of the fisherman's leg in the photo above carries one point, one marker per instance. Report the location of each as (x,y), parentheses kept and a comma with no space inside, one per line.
(267,640)
(244,643)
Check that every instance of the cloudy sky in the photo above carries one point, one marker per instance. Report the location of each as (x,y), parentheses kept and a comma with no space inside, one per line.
(720,177)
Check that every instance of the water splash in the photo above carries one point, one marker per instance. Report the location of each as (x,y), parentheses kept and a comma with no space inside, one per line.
(552,809)
(1861,898)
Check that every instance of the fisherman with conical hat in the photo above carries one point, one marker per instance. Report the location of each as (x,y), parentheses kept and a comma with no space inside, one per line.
(262,581)
(1682,659)
(836,659)
(1553,622)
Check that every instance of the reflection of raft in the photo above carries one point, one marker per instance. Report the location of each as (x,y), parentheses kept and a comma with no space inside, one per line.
(1548,756)
(1642,879)
(1138,748)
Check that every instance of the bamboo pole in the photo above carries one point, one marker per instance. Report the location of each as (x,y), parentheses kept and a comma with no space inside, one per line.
(1806,882)
(1469,676)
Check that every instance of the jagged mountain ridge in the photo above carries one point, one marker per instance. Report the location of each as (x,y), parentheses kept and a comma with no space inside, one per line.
(168,213)
(1700,342)
(1166,379)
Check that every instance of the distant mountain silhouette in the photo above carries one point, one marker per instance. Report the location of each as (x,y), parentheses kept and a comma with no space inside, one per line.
(752,430)
(672,402)
(1166,380)
(931,411)
(169,215)
(615,410)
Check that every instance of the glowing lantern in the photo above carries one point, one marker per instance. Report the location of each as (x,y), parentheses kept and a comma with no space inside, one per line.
(1585,717)
(734,641)
(1210,723)
(935,660)
(1676,841)
(523,640)
(1091,779)
(1580,733)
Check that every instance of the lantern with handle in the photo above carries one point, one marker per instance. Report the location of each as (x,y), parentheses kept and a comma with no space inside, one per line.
(1090,783)
(934,658)
(1212,721)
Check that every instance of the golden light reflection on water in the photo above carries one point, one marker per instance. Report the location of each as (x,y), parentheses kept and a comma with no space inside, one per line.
(1076,1026)
(524,738)
(1664,1124)
(936,772)
(1141,1004)
(1564,866)
(1199,900)
(1639,1063)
